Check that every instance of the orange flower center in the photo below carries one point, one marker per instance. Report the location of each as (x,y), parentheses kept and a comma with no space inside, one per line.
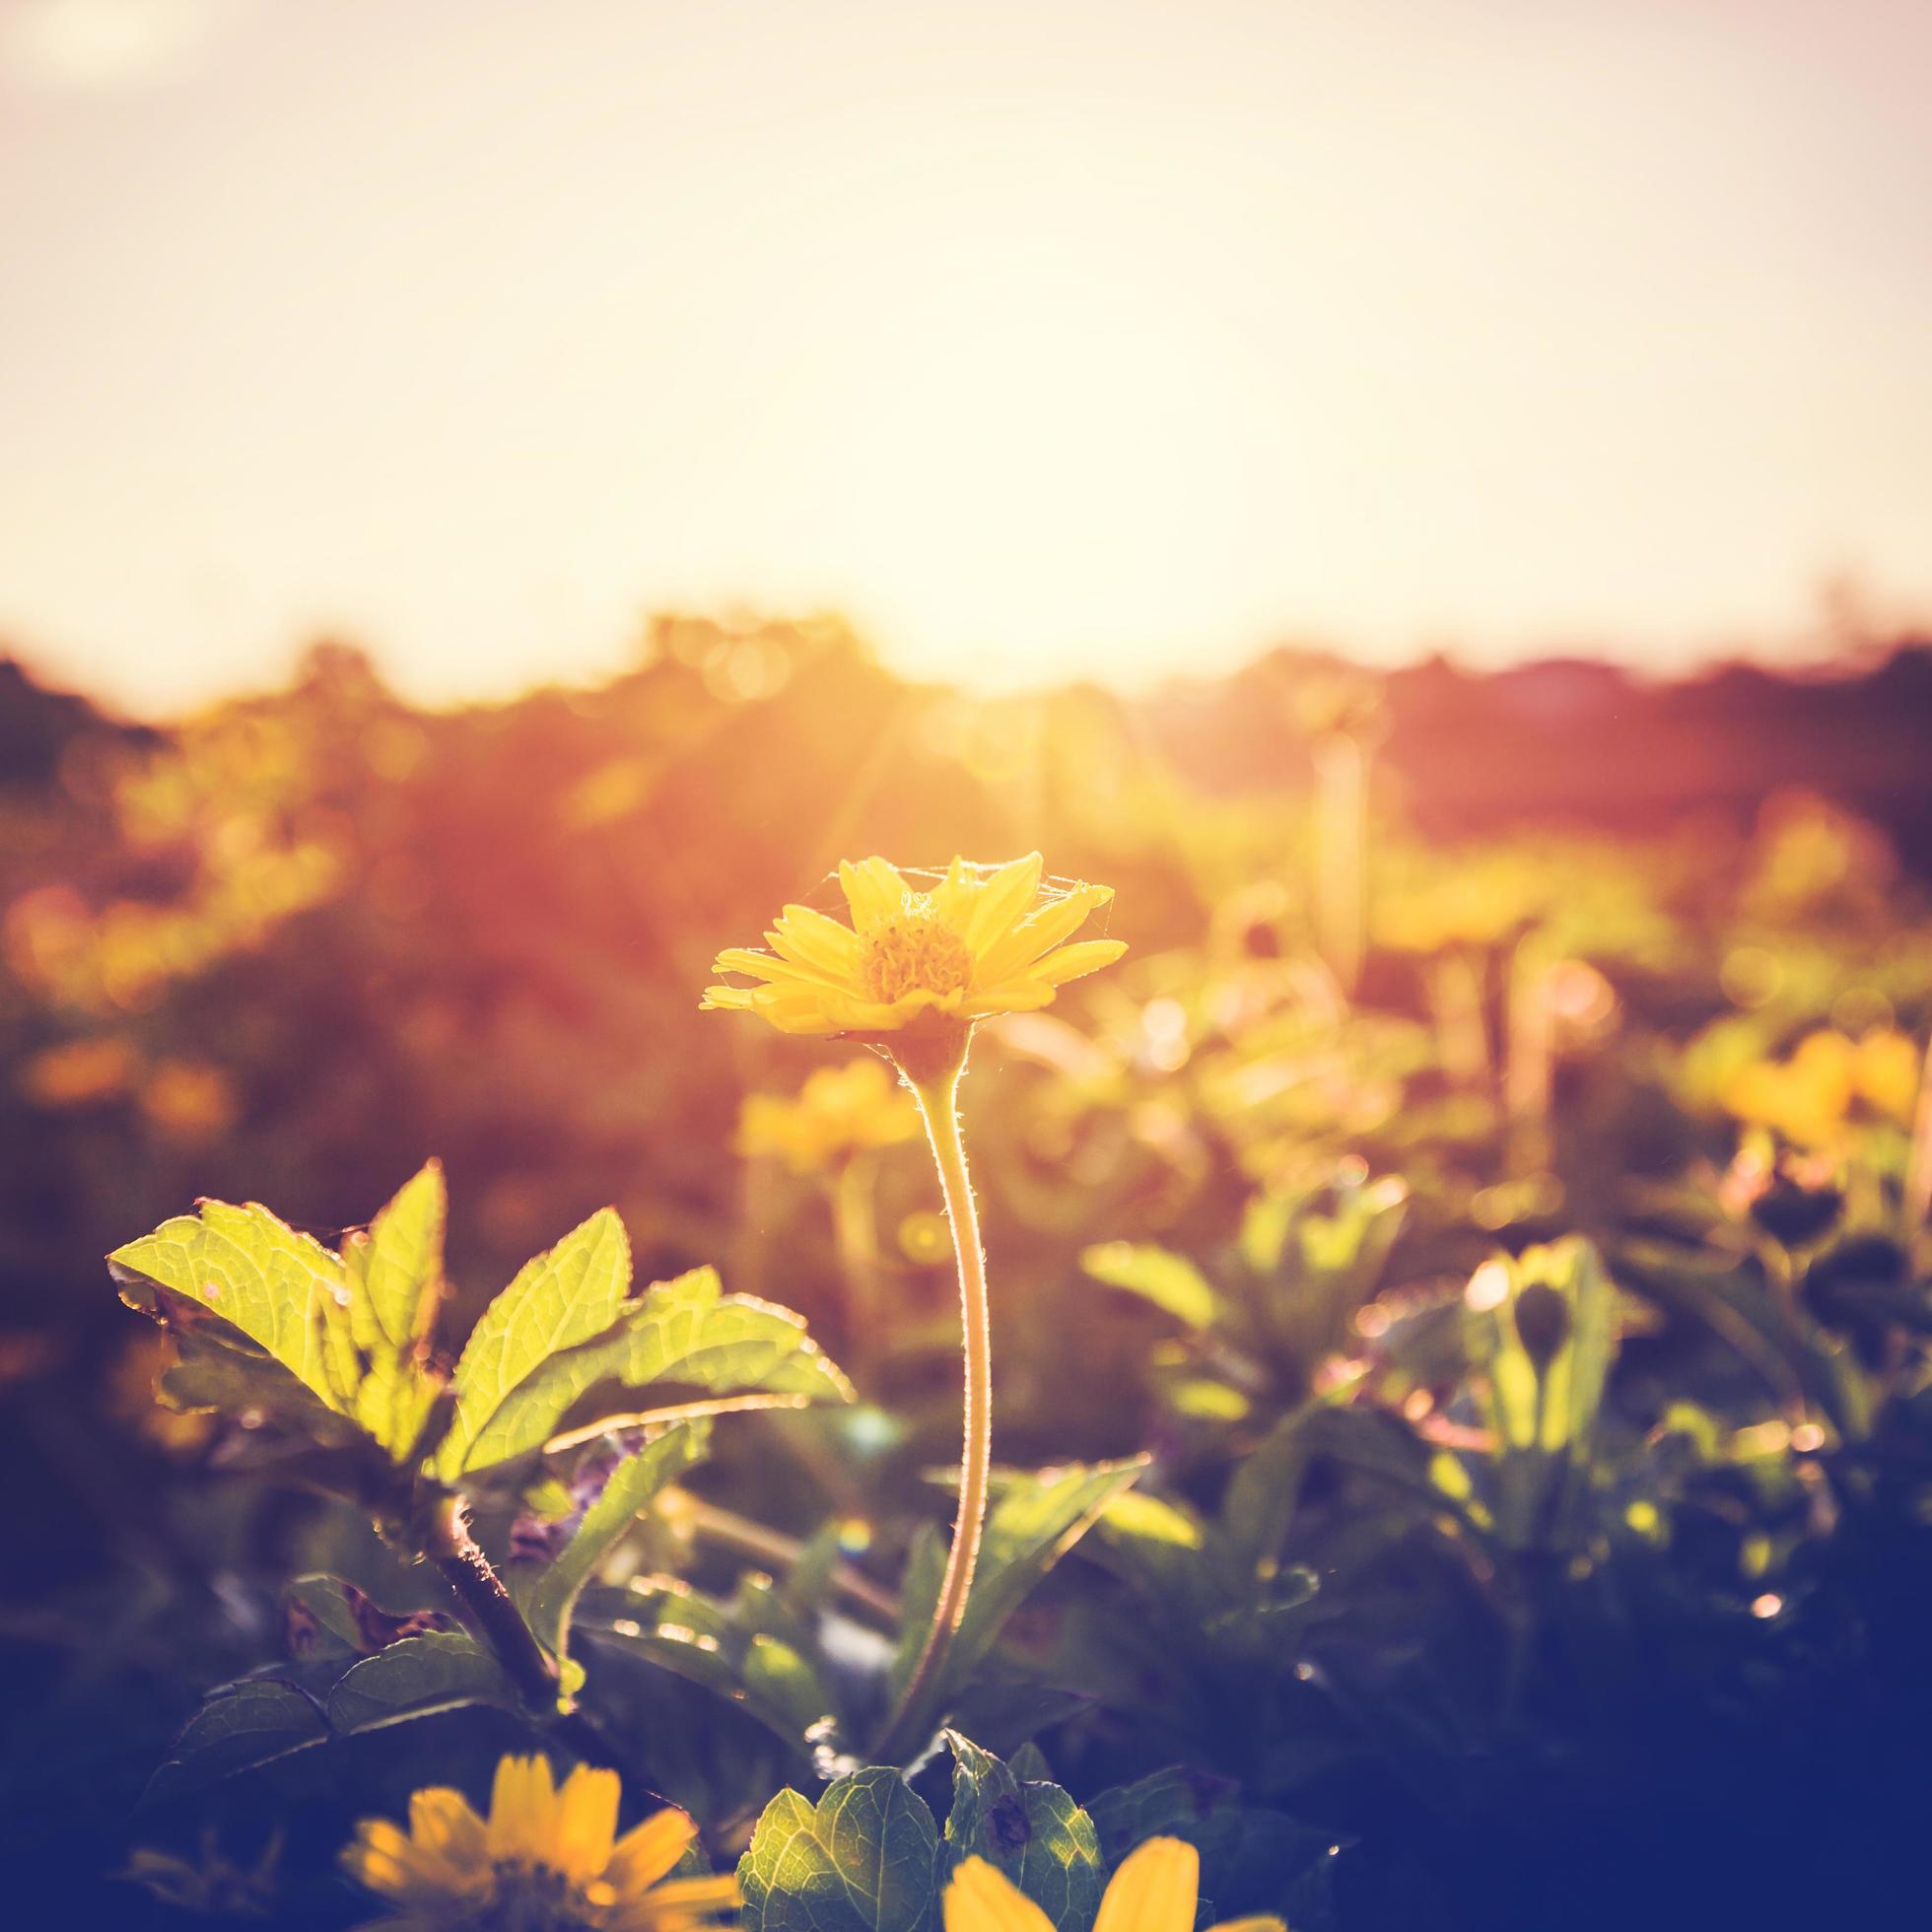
(916,952)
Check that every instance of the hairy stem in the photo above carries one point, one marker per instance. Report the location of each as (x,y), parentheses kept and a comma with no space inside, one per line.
(939,1106)
(488,1610)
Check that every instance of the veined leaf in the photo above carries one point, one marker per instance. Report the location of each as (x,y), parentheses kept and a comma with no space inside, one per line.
(1035,1522)
(246,1724)
(1033,1833)
(394,1272)
(686,1329)
(417,1676)
(399,1264)
(562,1299)
(862,1860)
(282,1292)
(1251,1860)
(1169,1281)
(549,1600)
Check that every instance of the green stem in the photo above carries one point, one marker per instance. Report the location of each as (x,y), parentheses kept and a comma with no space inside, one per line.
(488,1610)
(939,1106)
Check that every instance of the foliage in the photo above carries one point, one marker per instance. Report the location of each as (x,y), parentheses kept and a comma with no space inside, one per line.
(1464,1436)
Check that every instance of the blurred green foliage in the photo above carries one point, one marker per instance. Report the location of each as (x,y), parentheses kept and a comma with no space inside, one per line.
(1462,1402)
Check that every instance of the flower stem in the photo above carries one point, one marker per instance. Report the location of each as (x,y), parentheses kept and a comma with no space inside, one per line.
(939,1106)
(488,1610)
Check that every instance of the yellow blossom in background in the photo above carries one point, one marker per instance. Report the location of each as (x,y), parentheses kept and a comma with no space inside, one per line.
(980,942)
(1155,1889)
(188,1100)
(79,1072)
(839,1110)
(1813,1097)
(546,1859)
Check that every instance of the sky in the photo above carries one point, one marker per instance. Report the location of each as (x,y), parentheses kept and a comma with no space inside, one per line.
(1098,337)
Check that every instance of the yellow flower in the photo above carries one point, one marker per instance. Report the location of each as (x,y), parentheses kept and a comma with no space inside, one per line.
(79,1072)
(1811,1097)
(547,1859)
(983,942)
(839,1110)
(1154,1890)
(189,1101)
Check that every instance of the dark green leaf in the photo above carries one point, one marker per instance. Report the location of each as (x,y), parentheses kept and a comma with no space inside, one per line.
(1032,1832)
(862,1860)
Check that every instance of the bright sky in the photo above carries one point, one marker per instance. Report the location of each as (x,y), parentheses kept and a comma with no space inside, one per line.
(1064,335)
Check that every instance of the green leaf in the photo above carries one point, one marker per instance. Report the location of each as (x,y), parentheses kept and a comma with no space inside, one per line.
(240,1725)
(562,1297)
(282,1292)
(863,1859)
(1033,1833)
(1169,1281)
(686,1330)
(399,1264)
(394,1272)
(1251,1859)
(550,1600)
(323,1615)
(416,1676)
(239,1380)
(1035,1522)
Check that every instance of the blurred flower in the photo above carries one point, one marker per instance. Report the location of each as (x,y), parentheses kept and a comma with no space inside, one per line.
(79,1072)
(1812,1098)
(210,1883)
(190,1100)
(1155,1889)
(973,946)
(545,1860)
(839,1110)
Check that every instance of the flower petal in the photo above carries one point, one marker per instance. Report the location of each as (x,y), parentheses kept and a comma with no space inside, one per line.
(755,965)
(1074,961)
(1153,1890)
(522,1801)
(873,890)
(1006,899)
(980,1898)
(1032,937)
(954,897)
(443,1823)
(587,1822)
(646,1852)
(804,934)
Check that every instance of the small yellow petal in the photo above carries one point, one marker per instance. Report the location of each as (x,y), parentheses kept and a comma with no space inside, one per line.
(587,1822)
(1153,1890)
(646,1852)
(954,897)
(1036,934)
(1075,961)
(980,1898)
(805,933)
(1254,1922)
(756,965)
(1006,898)
(873,890)
(441,1820)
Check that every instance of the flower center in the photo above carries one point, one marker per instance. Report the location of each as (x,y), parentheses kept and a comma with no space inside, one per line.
(912,952)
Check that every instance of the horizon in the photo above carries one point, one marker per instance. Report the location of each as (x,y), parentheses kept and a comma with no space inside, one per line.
(1046,342)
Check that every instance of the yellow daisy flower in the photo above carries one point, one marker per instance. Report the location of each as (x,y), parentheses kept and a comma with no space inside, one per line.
(546,1859)
(840,1110)
(982,941)
(1813,1097)
(1155,1889)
